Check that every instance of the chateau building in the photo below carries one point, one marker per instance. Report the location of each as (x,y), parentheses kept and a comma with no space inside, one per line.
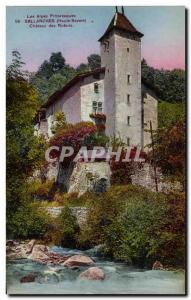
(115,89)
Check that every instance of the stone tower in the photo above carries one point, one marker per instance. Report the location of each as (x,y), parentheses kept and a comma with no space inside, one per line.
(121,57)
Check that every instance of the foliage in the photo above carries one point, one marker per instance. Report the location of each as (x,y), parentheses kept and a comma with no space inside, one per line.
(121,171)
(169,113)
(54,65)
(42,190)
(68,227)
(170,150)
(73,136)
(170,85)
(98,116)
(60,122)
(82,68)
(25,151)
(95,139)
(28,222)
(94,61)
(143,234)
(132,223)
(14,70)
(54,73)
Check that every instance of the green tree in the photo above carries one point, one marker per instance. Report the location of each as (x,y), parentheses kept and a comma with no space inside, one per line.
(94,61)
(24,149)
(82,68)
(54,65)
(51,76)
(170,150)
(60,122)
(55,82)
(14,70)
(170,113)
(170,85)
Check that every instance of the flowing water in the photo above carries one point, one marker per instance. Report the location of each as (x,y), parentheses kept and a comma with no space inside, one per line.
(120,278)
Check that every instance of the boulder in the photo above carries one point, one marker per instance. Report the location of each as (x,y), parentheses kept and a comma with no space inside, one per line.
(93,273)
(30,246)
(29,277)
(10,243)
(39,253)
(157,266)
(77,261)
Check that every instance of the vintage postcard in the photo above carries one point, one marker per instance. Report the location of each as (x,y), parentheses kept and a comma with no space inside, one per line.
(96,150)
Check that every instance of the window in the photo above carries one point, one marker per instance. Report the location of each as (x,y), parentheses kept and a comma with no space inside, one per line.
(128,78)
(128,99)
(128,50)
(99,107)
(128,120)
(94,107)
(106,46)
(128,142)
(96,88)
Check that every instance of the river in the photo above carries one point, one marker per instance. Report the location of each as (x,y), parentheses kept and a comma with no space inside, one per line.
(120,278)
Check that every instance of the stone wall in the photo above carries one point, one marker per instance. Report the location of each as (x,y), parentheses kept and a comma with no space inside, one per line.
(150,113)
(79,212)
(95,177)
(144,175)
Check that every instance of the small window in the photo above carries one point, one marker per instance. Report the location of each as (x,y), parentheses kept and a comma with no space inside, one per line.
(96,88)
(128,50)
(128,120)
(94,107)
(128,142)
(128,78)
(106,46)
(128,99)
(99,107)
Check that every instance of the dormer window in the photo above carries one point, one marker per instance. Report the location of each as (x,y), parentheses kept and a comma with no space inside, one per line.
(96,88)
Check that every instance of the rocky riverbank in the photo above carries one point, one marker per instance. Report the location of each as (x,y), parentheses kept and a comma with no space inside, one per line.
(42,254)
(27,276)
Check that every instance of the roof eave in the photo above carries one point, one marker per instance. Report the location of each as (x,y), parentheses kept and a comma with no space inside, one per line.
(139,34)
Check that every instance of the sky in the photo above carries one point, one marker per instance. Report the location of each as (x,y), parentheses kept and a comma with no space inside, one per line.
(163,44)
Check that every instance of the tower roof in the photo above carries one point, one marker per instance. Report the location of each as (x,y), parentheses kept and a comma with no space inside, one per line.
(121,22)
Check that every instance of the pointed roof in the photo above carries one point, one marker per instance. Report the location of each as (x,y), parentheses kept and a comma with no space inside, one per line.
(121,22)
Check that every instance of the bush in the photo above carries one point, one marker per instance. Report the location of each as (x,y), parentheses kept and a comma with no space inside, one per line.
(136,225)
(170,113)
(43,190)
(121,171)
(28,222)
(68,228)
(95,139)
(73,136)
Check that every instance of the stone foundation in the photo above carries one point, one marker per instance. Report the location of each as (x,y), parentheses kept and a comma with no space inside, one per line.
(85,177)
(144,175)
